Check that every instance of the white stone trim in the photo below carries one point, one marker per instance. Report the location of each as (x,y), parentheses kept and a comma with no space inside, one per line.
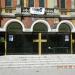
(67,22)
(13,20)
(42,21)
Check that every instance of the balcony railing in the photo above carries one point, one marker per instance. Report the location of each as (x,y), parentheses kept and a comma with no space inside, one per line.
(48,11)
(44,12)
(8,11)
(52,11)
(71,12)
(26,11)
(39,11)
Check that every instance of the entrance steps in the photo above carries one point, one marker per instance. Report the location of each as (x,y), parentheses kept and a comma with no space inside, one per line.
(34,61)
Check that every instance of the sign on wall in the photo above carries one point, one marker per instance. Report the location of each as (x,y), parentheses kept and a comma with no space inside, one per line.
(66,38)
(11,38)
(37,10)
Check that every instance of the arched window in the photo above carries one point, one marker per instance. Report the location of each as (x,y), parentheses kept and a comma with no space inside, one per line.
(40,27)
(64,28)
(14,27)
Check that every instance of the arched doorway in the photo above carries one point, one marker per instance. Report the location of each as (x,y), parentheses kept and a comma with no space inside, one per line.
(64,27)
(40,31)
(14,38)
(67,27)
(65,38)
(18,42)
(8,35)
(40,27)
(14,27)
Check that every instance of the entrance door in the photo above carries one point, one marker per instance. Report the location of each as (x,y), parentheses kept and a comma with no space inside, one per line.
(11,35)
(20,43)
(40,38)
(58,43)
(51,43)
(40,42)
(65,29)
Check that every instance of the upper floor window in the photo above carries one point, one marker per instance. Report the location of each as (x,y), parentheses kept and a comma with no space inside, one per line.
(8,3)
(31,3)
(22,3)
(41,3)
(62,4)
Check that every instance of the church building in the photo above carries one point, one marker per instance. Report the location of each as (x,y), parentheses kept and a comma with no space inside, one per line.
(37,27)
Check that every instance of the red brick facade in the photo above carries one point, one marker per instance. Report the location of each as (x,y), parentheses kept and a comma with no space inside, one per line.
(14,3)
(39,19)
(28,20)
(3,3)
(36,4)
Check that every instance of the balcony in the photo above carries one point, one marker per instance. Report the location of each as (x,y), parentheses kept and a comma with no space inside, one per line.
(8,12)
(67,13)
(40,12)
(49,12)
(26,11)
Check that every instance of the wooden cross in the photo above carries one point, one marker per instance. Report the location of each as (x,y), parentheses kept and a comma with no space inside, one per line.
(40,41)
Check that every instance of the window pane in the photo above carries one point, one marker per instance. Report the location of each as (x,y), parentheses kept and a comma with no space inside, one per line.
(62,3)
(31,3)
(64,28)
(8,2)
(40,27)
(14,27)
(41,4)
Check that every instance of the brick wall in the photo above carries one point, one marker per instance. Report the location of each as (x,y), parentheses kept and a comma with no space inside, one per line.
(50,21)
(14,3)
(27,21)
(3,3)
(36,3)
(4,20)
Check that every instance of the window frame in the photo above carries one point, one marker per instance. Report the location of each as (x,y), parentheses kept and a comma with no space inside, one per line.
(29,3)
(60,4)
(43,4)
(6,5)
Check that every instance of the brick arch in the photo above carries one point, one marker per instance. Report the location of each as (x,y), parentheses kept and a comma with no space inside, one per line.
(41,21)
(68,23)
(13,20)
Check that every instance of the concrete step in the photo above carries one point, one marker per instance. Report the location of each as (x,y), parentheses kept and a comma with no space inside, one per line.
(29,61)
